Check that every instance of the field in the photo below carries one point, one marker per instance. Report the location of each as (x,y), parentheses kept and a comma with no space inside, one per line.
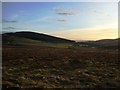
(44,67)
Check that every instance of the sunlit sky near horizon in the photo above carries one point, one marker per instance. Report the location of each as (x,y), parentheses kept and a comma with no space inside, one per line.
(71,20)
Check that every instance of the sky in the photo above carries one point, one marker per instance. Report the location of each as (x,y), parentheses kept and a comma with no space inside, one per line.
(70,20)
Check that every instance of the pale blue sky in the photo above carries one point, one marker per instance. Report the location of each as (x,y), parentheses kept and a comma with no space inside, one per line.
(80,20)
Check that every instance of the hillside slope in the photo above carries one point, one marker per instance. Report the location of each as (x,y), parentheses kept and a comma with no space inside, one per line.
(38,36)
(34,39)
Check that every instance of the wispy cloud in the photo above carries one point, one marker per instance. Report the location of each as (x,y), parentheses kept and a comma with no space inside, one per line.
(63,12)
(58,9)
(15,16)
(62,20)
(94,11)
(67,14)
(66,11)
(7,28)
(40,19)
(8,21)
(13,28)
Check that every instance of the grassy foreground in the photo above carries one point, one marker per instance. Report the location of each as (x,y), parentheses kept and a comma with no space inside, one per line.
(35,67)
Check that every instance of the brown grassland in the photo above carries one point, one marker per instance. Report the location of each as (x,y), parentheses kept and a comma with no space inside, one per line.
(43,67)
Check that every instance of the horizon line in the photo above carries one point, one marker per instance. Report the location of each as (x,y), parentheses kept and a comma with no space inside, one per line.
(4,32)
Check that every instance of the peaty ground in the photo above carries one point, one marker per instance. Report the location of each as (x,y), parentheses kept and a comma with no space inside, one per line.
(35,67)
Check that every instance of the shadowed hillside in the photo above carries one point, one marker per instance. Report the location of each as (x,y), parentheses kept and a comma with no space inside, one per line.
(36,36)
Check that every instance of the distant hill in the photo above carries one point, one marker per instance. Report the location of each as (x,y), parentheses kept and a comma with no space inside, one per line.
(32,38)
(104,43)
(112,42)
(38,36)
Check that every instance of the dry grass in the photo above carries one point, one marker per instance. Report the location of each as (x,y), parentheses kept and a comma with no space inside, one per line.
(28,67)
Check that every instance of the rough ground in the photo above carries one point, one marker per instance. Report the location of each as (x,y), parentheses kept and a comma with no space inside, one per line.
(29,67)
